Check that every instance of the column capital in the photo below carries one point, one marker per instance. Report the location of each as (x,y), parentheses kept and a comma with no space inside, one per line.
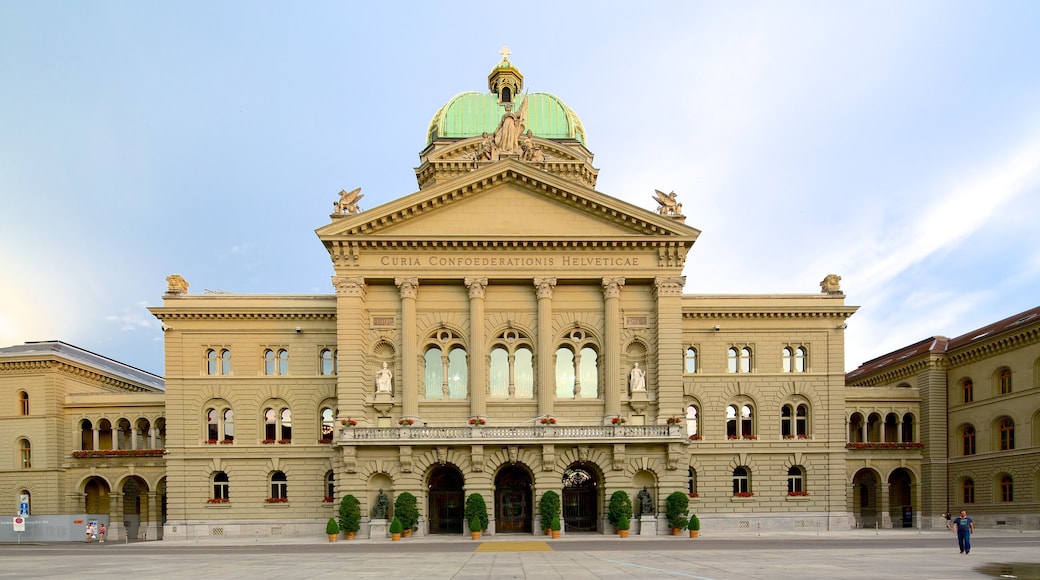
(409,286)
(612,287)
(669,286)
(545,287)
(476,286)
(349,285)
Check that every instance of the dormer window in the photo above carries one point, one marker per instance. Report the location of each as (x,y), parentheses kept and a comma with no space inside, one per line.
(507,95)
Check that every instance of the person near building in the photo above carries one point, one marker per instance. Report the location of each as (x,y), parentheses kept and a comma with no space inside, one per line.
(964,527)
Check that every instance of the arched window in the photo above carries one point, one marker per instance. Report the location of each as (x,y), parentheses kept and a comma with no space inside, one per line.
(328,362)
(801,359)
(220,423)
(269,362)
(446,375)
(691,360)
(328,417)
(741,481)
(276,362)
(229,425)
(565,373)
(739,359)
(794,421)
(577,370)
(23,400)
(968,490)
(218,362)
(512,367)
(221,487)
(277,425)
(458,374)
(691,482)
(26,498)
(1004,380)
(212,425)
(968,439)
(968,390)
(692,421)
(1007,434)
(796,480)
(1007,489)
(908,428)
(330,485)
(25,449)
(434,374)
(279,486)
(740,421)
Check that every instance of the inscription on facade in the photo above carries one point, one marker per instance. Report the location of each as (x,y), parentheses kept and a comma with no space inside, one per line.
(492,262)
(383,321)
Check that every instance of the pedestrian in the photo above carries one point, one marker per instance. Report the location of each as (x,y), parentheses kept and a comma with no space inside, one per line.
(101,534)
(964,528)
(89,534)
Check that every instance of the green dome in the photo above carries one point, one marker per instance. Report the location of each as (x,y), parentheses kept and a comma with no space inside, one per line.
(472,114)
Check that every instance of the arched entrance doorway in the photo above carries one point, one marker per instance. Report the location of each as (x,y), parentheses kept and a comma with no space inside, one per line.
(580,499)
(513,508)
(134,506)
(865,497)
(902,508)
(446,500)
(96,496)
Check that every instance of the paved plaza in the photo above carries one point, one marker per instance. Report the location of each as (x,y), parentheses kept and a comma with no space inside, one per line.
(832,555)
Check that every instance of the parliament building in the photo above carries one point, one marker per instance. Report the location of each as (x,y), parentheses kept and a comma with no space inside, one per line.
(508,330)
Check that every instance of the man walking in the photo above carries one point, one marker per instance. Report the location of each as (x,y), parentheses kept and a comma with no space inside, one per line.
(964,528)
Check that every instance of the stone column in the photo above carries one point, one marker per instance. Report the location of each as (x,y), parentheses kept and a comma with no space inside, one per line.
(97,438)
(409,289)
(546,384)
(612,346)
(667,365)
(478,355)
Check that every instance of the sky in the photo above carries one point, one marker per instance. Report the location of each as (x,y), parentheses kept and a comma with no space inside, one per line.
(896,144)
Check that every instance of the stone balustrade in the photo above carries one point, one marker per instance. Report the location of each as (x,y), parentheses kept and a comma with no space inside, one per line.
(520,434)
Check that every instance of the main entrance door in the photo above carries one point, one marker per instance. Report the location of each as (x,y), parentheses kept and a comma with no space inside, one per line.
(513,509)
(580,494)
(446,501)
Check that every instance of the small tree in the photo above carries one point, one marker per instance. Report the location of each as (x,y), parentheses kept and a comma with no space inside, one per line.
(476,508)
(406,508)
(555,524)
(549,506)
(676,506)
(332,528)
(395,526)
(695,524)
(620,504)
(474,525)
(624,522)
(349,514)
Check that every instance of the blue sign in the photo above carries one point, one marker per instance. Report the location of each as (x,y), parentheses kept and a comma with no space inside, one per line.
(23,509)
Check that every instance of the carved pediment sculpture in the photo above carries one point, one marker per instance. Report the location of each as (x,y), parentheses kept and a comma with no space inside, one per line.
(667,204)
(348,201)
(175,284)
(510,128)
(831,284)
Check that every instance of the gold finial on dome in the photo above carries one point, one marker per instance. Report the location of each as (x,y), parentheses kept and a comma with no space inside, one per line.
(505,52)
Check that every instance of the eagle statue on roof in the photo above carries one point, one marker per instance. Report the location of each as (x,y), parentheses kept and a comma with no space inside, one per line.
(667,204)
(348,201)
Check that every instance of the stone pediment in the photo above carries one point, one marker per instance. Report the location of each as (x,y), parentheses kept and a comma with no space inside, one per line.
(507,205)
(508,199)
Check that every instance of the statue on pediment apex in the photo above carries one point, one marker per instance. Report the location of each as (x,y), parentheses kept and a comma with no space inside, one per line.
(667,203)
(348,201)
(176,284)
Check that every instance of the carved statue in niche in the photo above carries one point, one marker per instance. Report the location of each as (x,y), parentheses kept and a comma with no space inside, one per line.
(646,503)
(637,379)
(348,201)
(667,203)
(383,380)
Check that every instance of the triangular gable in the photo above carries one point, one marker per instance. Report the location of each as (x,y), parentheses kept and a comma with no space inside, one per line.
(512,199)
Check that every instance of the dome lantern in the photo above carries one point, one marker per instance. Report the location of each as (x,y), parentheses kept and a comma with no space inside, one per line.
(505,80)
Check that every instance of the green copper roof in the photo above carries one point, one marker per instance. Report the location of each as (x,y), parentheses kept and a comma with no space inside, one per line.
(472,114)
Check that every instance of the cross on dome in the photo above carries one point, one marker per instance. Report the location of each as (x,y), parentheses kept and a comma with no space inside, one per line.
(505,52)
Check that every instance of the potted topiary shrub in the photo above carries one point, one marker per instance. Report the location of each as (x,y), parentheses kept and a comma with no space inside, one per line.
(555,526)
(474,528)
(676,506)
(349,516)
(549,506)
(395,529)
(620,504)
(622,525)
(406,508)
(476,508)
(332,529)
(694,526)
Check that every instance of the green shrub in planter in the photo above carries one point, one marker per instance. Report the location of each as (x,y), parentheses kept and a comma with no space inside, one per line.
(676,506)
(396,527)
(620,504)
(695,524)
(549,506)
(555,524)
(474,525)
(332,528)
(406,508)
(476,508)
(349,514)
(624,522)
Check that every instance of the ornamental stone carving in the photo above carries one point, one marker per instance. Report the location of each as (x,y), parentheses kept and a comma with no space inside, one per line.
(349,286)
(348,202)
(545,287)
(175,284)
(831,284)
